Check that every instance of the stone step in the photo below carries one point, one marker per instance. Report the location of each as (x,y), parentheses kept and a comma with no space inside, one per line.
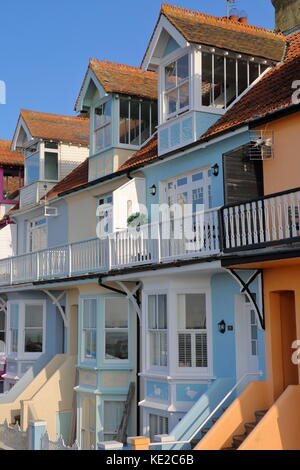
(238,440)
(249,427)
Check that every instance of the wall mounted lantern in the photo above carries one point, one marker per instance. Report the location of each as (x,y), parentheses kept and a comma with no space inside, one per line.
(222,327)
(153,190)
(215,169)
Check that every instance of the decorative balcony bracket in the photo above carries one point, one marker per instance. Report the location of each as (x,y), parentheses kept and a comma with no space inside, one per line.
(245,289)
(56,302)
(3,305)
(131,294)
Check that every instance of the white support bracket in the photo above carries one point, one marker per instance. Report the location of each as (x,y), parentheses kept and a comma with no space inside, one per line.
(3,305)
(130,295)
(55,301)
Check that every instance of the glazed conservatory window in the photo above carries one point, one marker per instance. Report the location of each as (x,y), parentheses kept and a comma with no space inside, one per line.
(2,332)
(102,126)
(32,164)
(138,121)
(89,329)
(157,330)
(177,88)
(33,328)
(113,412)
(14,327)
(225,77)
(192,333)
(157,425)
(116,329)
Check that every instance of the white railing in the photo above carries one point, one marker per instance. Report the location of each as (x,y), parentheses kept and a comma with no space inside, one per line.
(189,237)
(13,438)
(47,444)
(263,222)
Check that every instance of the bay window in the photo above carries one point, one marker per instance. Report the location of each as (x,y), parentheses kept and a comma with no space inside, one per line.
(138,120)
(102,127)
(177,94)
(157,330)
(116,328)
(192,330)
(89,328)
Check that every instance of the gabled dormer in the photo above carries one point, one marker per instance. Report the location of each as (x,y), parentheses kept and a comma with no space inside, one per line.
(204,64)
(53,145)
(122,103)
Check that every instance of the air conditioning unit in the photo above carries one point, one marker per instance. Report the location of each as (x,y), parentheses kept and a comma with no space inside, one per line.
(50,211)
(261,146)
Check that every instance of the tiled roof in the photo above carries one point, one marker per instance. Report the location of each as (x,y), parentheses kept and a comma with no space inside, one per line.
(124,79)
(57,127)
(272,93)
(76,178)
(146,154)
(7,157)
(200,28)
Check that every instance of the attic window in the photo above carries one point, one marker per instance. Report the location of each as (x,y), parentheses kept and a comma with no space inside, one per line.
(138,120)
(225,77)
(102,126)
(177,88)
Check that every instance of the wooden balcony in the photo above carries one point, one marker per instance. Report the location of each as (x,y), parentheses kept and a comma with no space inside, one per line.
(196,236)
(268,221)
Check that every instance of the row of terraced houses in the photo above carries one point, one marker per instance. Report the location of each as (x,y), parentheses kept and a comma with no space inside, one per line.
(108,328)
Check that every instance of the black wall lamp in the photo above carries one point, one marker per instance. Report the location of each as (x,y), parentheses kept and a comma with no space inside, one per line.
(215,169)
(153,190)
(222,327)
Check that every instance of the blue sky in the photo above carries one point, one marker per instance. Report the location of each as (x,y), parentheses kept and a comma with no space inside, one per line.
(45,45)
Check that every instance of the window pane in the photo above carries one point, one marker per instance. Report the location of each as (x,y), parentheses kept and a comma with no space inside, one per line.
(134,122)
(113,412)
(14,341)
(152,312)
(171,101)
(162,311)
(116,345)
(163,349)
(195,311)
(2,342)
(145,121)
(218,89)
(170,75)
(154,117)
(89,339)
(33,340)
(184,99)
(253,71)
(2,321)
(230,80)
(103,115)
(51,145)
(201,350)
(206,79)
(182,68)
(184,350)
(32,168)
(89,313)
(33,316)
(116,313)
(51,166)
(124,121)
(243,75)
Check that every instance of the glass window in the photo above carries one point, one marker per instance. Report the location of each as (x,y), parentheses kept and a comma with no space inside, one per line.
(33,328)
(177,88)
(231,65)
(102,126)
(192,334)
(105,215)
(157,425)
(113,412)
(51,166)
(138,121)
(116,328)
(14,327)
(2,331)
(254,333)
(32,167)
(242,76)
(207,79)
(157,328)
(51,145)
(89,315)
(37,234)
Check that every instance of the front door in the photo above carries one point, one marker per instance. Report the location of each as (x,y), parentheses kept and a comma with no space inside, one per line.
(246,336)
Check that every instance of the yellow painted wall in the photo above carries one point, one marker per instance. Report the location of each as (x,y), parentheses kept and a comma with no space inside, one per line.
(282,173)
(279,429)
(254,397)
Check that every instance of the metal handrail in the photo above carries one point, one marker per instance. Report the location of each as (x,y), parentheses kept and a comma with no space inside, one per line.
(211,414)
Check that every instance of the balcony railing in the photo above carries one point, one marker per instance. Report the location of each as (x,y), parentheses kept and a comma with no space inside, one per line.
(270,220)
(189,237)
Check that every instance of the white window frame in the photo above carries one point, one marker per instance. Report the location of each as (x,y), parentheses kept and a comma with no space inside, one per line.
(164,92)
(147,364)
(43,160)
(21,354)
(194,372)
(82,329)
(35,229)
(107,124)
(108,207)
(112,399)
(38,151)
(128,330)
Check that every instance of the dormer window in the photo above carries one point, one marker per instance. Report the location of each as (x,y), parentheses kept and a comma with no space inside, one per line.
(138,120)
(102,126)
(177,87)
(226,75)
(38,168)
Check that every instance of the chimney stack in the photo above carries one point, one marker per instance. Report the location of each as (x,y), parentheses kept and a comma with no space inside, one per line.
(243,17)
(287,15)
